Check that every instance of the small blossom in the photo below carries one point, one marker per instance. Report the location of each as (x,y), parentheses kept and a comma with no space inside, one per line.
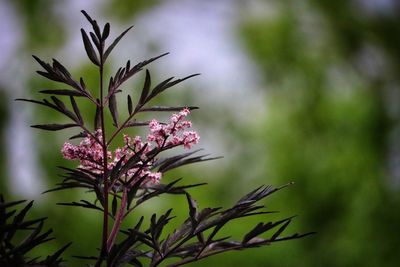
(89,152)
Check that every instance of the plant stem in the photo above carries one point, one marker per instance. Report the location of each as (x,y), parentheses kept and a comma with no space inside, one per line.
(118,220)
(105,168)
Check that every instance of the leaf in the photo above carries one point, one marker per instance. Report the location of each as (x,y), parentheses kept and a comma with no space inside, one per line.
(50,76)
(54,126)
(89,48)
(76,110)
(106,32)
(112,105)
(79,135)
(44,65)
(281,229)
(82,84)
(62,92)
(10,204)
(18,219)
(146,89)
(53,259)
(58,66)
(132,192)
(83,204)
(111,47)
(59,103)
(97,118)
(135,123)
(159,88)
(130,108)
(93,22)
(167,84)
(168,109)
(192,209)
(114,205)
(95,41)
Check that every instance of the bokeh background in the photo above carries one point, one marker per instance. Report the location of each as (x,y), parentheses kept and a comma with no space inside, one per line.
(304,91)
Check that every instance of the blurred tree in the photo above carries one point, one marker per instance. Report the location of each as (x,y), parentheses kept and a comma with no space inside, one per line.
(334,69)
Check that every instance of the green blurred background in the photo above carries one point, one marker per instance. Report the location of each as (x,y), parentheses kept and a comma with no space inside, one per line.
(303,91)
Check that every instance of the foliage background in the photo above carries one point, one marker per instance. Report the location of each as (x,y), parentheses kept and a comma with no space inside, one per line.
(316,102)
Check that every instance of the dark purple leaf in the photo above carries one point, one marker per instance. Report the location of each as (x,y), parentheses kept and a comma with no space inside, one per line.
(111,47)
(89,48)
(54,127)
(93,22)
(168,109)
(106,32)
(97,118)
(112,105)
(62,92)
(130,108)
(76,110)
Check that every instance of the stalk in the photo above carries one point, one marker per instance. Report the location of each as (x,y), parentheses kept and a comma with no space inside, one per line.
(104,145)
(118,220)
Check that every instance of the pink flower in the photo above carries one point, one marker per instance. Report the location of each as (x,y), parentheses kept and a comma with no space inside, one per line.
(89,152)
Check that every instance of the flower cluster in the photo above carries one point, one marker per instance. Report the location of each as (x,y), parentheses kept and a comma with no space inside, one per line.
(174,133)
(90,153)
